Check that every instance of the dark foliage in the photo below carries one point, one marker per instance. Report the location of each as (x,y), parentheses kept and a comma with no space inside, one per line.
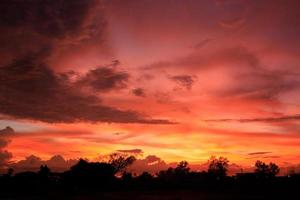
(218,167)
(95,177)
(266,171)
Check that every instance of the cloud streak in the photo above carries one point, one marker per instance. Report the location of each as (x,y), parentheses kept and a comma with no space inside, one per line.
(131,151)
(259,153)
(263,119)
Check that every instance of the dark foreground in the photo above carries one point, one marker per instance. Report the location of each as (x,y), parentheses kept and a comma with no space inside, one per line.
(153,195)
(89,181)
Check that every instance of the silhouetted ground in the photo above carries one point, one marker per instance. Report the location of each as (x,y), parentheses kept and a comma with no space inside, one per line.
(95,180)
(152,195)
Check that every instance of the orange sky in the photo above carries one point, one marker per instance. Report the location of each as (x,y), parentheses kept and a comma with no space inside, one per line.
(181,80)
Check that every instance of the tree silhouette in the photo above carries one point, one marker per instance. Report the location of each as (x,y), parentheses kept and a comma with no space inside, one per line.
(173,176)
(266,171)
(274,169)
(218,167)
(182,168)
(90,174)
(126,176)
(120,161)
(145,177)
(261,167)
(166,175)
(44,170)
(44,173)
(10,172)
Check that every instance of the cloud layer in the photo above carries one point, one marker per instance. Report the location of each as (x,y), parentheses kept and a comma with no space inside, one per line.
(51,97)
(226,71)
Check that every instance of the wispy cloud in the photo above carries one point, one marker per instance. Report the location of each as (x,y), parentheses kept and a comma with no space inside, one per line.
(259,153)
(263,119)
(131,151)
(185,81)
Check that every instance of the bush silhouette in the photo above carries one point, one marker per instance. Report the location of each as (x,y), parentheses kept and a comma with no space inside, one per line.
(90,174)
(44,173)
(218,167)
(266,171)
(182,168)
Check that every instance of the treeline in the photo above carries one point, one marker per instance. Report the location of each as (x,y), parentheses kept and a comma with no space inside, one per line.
(112,175)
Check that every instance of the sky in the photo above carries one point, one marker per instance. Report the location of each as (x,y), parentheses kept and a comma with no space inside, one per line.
(165,80)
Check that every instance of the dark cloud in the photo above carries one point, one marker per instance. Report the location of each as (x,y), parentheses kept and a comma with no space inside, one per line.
(27,27)
(266,119)
(185,81)
(5,155)
(51,18)
(49,97)
(7,130)
(259,153)
(140,92)
(131,151)
(31,33)
(104,79)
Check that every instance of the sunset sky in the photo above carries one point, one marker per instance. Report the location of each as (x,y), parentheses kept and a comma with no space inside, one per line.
(178,79)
